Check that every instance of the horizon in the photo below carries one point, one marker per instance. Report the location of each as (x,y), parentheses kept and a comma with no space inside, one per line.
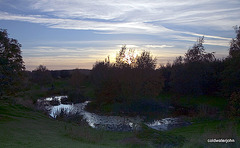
(65,35)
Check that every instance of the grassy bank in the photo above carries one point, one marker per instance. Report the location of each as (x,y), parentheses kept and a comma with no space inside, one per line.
(24,127)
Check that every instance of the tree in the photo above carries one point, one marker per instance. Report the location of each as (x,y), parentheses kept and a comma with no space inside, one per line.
(234,50)
(11,64)
(77,79)
(178,61)
(197,53)
(234,105)
(195,73)
(231,72)
(41,75)
(146,61)
(126,57)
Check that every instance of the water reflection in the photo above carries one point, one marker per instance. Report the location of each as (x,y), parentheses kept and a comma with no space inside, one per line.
(116,123)
(167,124)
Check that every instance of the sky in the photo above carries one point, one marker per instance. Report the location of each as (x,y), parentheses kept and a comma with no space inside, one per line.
(71,34)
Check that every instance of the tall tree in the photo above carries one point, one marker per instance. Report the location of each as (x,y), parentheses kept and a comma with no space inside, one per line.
(198,54)
(11,64)
(194,74)
(231,73)
(126,57)
(41,75)
(146,61)
(234,50)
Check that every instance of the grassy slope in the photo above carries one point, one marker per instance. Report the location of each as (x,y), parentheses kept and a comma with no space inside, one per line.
(198,133)
(22,127)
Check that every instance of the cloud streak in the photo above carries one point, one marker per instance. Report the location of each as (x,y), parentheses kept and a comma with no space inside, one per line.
(166,27)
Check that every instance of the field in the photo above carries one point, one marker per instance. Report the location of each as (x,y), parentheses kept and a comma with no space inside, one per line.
(25,127)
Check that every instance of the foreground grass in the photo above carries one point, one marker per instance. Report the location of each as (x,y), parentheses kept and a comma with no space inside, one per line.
(23,127)
(198,133)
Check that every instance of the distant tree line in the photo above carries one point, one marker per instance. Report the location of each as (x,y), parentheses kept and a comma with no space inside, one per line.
(134,78)
(196,73)
(126,80)
(200,73)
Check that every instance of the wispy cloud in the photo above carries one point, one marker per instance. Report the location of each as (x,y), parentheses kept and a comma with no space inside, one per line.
(108,27)
(128,16)
(166,27)
(159,46)
(186,12)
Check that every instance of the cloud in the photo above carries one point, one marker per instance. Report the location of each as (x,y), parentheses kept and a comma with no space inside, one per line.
(128,16)
(159,46)
(110,27)
(188,12)
(166,27)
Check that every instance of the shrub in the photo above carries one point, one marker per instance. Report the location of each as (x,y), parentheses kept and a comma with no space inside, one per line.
(234,104)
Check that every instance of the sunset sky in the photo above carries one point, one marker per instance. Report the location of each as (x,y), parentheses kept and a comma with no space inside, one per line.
(63,34)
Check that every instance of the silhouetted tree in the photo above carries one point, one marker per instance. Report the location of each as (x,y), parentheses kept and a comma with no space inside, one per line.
(146,61)
(41,75)
(231,73)
(194,74)
(234,50)
(77,79)
(125,57)
(197,53)
(165,72)
(11,64)
(234,105)
(121,83)
(178,61)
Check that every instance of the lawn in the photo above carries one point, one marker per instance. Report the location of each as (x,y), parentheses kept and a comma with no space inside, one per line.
(25,127)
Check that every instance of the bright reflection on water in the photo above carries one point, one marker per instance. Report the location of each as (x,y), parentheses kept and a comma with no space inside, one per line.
(167,124)
(116,123)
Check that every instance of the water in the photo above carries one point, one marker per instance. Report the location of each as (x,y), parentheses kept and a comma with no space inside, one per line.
(115,123)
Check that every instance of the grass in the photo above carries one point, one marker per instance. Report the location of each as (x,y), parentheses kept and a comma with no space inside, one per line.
(198,133)
(212,101)
(23,127)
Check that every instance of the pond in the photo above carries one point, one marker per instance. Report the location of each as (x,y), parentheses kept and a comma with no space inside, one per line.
(54,106)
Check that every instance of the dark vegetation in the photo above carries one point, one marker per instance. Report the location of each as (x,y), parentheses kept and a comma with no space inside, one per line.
(136,86)
(196,86)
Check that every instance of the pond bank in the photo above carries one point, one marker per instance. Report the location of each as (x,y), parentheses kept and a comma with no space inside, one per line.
(112,123)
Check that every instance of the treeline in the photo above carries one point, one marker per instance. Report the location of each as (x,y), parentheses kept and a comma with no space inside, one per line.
(199,73)
(133,80)
(136,79)
(196,73)
(42,76)
(129,84)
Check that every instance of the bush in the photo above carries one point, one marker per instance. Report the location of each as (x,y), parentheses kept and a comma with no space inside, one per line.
(234,104)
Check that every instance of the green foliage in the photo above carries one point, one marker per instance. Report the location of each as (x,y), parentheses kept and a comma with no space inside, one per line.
(41,75)
(11,64)
(77,79)
(234,105)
